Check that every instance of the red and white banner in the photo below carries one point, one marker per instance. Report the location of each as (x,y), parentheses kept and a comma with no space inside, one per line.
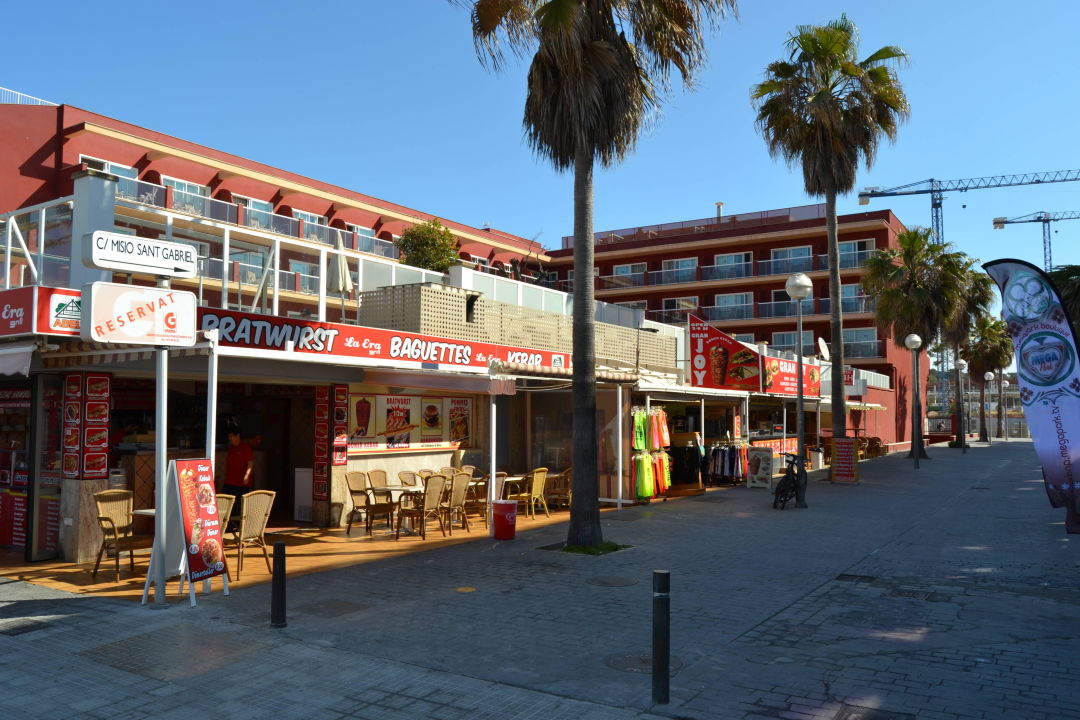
(267,332)
(719,361)
(57,312)
(138,315)
(198,512)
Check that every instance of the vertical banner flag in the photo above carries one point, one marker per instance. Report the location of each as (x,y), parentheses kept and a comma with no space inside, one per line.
(1048,376)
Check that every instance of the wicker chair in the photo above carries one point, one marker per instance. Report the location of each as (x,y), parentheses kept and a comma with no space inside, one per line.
(430,505)
(455,500)
(425,473)
(225,504)
(254,514)
(471,469)
(449,471)
(115,520)
(380,502)
(357,482)
(408,477)
(534,492)
(559,490)
(377,478)
(476,500)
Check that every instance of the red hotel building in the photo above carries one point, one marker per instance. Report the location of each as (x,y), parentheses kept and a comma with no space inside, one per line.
(731,271)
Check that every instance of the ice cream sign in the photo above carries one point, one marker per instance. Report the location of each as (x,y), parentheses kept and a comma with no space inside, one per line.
(137,315)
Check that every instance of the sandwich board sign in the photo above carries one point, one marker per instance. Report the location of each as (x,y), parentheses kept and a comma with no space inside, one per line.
(132,254)
(193,546)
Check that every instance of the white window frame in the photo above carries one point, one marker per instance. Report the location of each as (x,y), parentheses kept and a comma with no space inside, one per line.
(808,338)
(309,217)
(677,300)
(189,187)
(853,339)
(720,259)
(747,297)
(869,245)
(630,269)
(745,337)
(110,167)
(362,231)
(773,253)
(677,263)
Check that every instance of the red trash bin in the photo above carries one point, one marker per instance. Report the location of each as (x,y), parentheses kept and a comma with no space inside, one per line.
(504,513)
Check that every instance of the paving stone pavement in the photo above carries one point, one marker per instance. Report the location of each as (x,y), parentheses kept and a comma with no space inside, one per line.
(951,593)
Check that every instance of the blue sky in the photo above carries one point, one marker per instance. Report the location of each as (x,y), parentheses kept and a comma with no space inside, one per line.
(386,97)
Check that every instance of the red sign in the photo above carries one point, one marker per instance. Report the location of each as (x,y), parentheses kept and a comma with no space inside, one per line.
(16,311)
(718,360)
(198,512)
(266,332)
(845,462)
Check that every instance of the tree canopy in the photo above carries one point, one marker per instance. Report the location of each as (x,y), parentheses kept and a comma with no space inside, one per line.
(429,245)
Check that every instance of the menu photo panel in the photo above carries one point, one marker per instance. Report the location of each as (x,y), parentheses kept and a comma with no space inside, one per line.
(408,422)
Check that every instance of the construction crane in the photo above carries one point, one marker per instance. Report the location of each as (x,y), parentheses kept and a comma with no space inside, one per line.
(1045,218)
(936,188)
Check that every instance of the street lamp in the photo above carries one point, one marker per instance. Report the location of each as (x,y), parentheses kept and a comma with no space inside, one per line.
(798,288)
(913,342)
(1003,388)
(988,376)
(961,366)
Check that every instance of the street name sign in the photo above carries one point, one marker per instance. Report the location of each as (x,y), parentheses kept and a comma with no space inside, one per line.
(128,253)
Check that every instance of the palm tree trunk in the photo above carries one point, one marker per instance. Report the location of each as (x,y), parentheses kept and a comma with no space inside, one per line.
(836,321)
(984,435)
(584,526)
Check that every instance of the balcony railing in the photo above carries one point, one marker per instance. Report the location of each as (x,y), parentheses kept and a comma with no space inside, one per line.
(785,266)
(865,349)
(848,260)
(784,309)
(808,349)
(672,317)
(193,204)
(607,282)
(728,312)
(726,272)
(849,305)
(673,276)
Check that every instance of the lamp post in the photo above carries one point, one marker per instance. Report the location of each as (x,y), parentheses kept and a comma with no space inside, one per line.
(913,342)
(961,365)
(988,376)
(798,288)
(1002,390)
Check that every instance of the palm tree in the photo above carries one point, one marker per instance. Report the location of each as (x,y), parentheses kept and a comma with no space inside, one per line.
(975,299)
(826,109)
(915,285)
(989,350)
(1067,280)
(595,75)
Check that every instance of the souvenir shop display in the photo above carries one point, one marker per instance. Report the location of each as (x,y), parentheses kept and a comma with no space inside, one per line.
(726,463)
(650,462)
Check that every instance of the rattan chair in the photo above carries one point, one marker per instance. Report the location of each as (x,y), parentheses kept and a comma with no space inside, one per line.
(533,493)
(408,477)
(225,504)
(380,502)
(254,514)
(471,469)
(377,478)
(448,471)
(476,500)
(429,505)
(425,472)
(358,484)
(455,501)
(559,489)
(115,520)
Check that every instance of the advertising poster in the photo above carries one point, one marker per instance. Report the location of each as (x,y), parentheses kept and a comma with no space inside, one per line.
(398,418)
(1048,374)
(759,467)
(720,361)
(323,442)
(72,424)
(407,422)
(781,377)
(845,461)
(340,427)
(198,513)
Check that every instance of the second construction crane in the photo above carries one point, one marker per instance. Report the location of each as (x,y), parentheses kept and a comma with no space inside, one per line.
(1045,218)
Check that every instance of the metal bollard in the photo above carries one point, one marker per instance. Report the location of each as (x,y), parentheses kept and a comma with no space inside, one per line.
(277,588)
(661,637)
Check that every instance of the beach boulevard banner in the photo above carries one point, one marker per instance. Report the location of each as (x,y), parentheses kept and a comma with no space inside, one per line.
(1048,375)
(719,361)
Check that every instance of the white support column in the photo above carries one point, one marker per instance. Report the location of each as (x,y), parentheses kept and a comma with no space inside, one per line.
(226,269)
(211,396)
(322,285)
(41,246)
(7,255)
(160,473)
(491,466)
(620,413)
(277,278)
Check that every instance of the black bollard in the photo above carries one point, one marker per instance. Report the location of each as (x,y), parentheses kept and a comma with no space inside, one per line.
(277,588)
(661,636)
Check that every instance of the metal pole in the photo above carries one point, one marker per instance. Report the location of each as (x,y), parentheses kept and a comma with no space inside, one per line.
(916,410)
(277,588)
(800,474)
(620,412)
(963,425)
(491,467)
(211,397)
(661,637)
(161,465)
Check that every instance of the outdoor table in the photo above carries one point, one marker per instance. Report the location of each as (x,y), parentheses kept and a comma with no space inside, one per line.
(145,512)
(511,482)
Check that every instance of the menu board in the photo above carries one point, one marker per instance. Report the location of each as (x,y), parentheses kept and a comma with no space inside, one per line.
(320,475)
(72,428)
(382,423)
(845,462)
(198,513)
(48,524)
(759,467)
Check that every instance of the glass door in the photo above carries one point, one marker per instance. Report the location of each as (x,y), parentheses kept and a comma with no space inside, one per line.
(43,541)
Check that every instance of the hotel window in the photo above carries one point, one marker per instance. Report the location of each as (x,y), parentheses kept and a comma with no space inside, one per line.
(257,212)
(733,299)
(854,253)
(861,342)
(745,337)
(852,246)
(183,186)
(679,270)
(308,217)
(689,302)
(732,258)
(634,304)
(786,340)
(631,269)
(126,187)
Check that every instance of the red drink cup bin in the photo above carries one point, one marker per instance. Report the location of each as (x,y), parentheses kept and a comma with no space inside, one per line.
(504,514)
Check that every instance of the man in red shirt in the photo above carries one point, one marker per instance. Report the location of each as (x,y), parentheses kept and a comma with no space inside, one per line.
(239,464)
